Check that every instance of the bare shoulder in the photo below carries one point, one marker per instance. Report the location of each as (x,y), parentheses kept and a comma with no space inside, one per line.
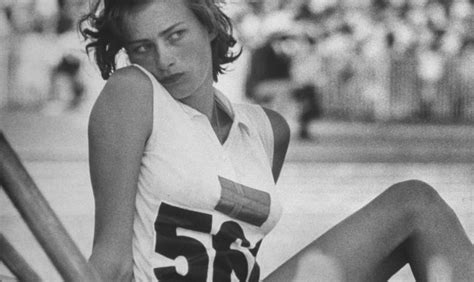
(125,102)
(280,126)
(281,134)
(126,85)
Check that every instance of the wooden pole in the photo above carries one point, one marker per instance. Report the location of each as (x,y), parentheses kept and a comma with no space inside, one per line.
(41,219)
(15,262)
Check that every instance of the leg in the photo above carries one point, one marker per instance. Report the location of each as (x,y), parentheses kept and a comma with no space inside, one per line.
(408,223)
(306,97)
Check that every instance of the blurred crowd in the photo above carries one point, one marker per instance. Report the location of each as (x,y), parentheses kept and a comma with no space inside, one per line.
(377,60)
(359,59)
(44,62)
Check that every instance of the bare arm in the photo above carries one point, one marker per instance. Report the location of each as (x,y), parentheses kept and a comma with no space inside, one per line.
(119,125)
(281,136)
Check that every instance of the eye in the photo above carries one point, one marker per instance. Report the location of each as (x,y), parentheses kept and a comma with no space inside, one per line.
(176,36)
(142,48)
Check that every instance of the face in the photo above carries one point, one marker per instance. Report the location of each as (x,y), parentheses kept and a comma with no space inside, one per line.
(167,39)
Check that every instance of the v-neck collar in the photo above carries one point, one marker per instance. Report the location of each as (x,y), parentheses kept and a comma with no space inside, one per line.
(225,105)
(192,113)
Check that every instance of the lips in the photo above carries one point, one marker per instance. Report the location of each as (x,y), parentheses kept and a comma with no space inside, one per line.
(171,79)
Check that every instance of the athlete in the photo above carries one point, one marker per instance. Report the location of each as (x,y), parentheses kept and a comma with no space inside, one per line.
(184,180)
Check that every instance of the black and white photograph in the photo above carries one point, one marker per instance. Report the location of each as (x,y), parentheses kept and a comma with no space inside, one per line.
(237,140)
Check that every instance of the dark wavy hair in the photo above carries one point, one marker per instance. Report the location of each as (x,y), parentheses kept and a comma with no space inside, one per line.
(103,29)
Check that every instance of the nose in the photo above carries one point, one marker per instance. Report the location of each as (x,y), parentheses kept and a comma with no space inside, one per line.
(165,58)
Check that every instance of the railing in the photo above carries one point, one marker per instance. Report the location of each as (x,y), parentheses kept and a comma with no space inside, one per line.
(41,220)
(15,262)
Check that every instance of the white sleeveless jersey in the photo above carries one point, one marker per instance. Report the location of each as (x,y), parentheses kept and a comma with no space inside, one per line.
(202,207)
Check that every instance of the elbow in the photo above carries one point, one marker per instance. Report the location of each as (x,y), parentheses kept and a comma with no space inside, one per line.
(123,274)
(112,268)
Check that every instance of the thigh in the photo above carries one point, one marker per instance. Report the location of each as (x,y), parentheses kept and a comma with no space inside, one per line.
(366,246)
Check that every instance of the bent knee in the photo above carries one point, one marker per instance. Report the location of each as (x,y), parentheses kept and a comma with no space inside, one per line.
(416,195)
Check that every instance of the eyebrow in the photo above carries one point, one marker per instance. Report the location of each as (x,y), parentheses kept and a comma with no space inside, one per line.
(161,33)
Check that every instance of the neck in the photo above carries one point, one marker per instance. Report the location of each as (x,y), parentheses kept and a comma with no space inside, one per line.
(204,103)
(202,100)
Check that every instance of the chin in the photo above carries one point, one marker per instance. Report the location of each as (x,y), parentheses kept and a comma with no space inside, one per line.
(177,94)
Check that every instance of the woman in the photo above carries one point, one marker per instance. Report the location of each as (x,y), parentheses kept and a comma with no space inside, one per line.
(184,180)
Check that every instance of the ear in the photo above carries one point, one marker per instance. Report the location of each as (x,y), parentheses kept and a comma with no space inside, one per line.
(212,34)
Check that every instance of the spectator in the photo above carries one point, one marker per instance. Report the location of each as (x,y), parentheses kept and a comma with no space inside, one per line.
(68,90)
(366,74)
